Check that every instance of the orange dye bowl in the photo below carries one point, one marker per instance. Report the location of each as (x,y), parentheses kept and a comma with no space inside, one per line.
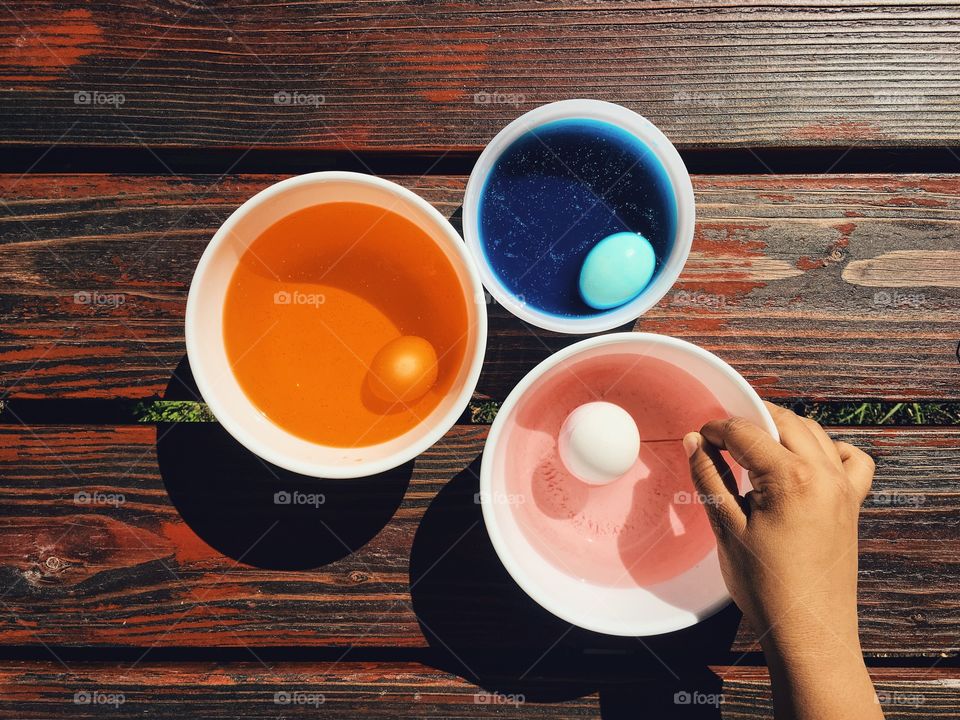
(336,325)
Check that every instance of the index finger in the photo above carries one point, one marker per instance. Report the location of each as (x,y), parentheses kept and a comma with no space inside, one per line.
(751,446)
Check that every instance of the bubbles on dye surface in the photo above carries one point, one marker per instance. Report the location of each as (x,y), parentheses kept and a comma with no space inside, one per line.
(556,192)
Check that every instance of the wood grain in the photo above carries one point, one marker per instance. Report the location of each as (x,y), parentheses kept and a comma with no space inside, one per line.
(445,75)
(813,287)
(100,545)
(411,690)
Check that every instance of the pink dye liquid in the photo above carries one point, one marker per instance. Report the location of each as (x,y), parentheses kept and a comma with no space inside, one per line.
(645,527)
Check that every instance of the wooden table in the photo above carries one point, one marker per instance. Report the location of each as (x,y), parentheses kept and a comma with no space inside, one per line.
(144,570)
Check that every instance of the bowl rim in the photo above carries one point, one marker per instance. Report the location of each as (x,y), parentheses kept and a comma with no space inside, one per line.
(629,121)
(540,595)
(202,372)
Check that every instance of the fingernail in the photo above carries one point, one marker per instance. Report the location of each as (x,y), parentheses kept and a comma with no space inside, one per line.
(691,443)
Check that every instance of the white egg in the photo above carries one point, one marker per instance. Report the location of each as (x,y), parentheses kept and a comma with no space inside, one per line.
(598,442)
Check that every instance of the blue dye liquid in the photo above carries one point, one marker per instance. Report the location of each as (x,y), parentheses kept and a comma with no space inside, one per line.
(555,193)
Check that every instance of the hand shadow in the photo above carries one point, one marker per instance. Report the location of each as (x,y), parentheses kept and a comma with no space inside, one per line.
(484,628)
(258,513)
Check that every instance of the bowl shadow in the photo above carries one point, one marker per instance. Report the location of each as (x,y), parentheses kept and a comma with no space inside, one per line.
(483,627)
(260,514)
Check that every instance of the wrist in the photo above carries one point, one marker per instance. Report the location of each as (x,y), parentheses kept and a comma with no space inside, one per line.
(819,675)
(811,639)
(817,654)
(813,652)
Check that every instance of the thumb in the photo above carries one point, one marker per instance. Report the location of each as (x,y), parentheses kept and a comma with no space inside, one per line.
(714,481)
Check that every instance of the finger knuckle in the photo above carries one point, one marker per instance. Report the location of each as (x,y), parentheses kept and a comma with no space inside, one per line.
(734,424)
(776,409)
(861,458)
(722,519)
(800,475)
(713,426)
(811,424)
(701,465)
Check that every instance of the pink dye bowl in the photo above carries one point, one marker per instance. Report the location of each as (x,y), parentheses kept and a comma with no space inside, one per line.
(636,557)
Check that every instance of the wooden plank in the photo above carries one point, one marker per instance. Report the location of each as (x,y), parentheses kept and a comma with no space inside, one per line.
(95,553)
(45,689)
(288,690)
(813,287)
(446,75)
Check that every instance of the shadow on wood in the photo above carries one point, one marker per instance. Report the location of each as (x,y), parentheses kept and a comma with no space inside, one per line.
(692,695)
(490,632)
(260,514)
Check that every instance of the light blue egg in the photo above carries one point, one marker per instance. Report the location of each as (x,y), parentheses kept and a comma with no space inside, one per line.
(616,270)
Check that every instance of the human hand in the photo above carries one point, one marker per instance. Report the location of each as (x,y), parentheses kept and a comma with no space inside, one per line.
(788,548)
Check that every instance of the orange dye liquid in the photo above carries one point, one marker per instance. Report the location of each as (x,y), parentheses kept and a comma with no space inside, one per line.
(316,297)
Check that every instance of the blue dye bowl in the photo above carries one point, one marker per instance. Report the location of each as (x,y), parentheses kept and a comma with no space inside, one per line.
(556,181)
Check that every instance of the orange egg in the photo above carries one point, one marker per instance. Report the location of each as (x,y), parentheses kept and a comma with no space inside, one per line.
(404,369)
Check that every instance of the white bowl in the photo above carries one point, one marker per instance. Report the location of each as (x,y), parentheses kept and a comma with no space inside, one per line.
(673,604)
(668,156)
(204,326)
